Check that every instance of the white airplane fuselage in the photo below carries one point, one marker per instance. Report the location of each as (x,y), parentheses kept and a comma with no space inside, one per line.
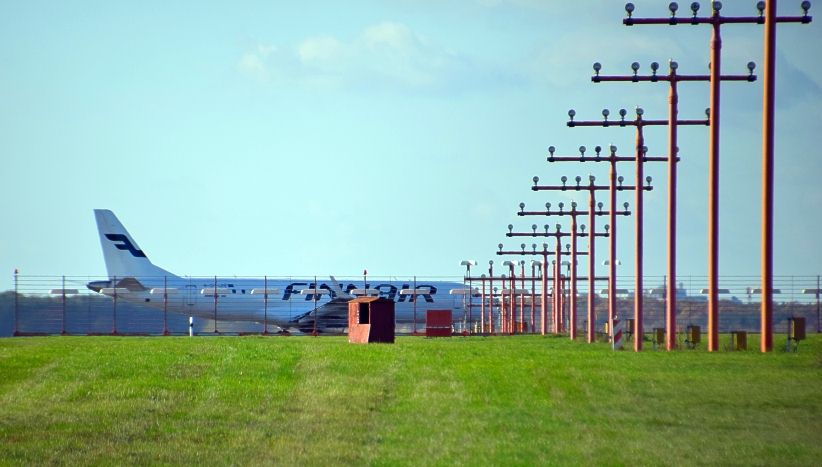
(285,303)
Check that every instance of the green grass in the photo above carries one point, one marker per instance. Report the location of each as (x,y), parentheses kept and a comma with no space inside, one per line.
(500,400)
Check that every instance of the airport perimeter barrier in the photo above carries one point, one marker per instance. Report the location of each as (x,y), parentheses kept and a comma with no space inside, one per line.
(50,305)
(226,305)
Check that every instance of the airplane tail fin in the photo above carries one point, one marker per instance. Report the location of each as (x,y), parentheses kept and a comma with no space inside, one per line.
(123,256)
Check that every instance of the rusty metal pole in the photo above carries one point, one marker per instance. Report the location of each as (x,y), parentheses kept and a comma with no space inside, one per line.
(512,310)
(768,97)
(713,189)
(505,300)
(491,300)
(563,309)
(572,304)
(544,293)
(612,246)
(557,286)
(505,295)
(560,292)
(670,304)
(482,305)
(554,298)
(639,210)
(592,314)
(533,298)
(502,307)
(522,297)
(470,297)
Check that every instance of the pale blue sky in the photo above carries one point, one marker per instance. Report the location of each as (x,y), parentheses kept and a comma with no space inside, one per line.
(251,138)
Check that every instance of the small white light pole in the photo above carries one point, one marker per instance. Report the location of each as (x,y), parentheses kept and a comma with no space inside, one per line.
(468,263)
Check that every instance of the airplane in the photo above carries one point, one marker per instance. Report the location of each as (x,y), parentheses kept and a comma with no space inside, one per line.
(287,304)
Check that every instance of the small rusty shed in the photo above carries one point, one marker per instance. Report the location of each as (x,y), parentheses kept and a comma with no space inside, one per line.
(370,319)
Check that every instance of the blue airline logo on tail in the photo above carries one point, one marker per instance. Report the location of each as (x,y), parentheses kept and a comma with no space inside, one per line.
(125,244)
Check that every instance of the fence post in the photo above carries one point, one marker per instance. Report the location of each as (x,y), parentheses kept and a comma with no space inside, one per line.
(265,305)
(165,305)
(114,308)
(413,297)
(63,317)
(316,294)
(215,305)
(15,331)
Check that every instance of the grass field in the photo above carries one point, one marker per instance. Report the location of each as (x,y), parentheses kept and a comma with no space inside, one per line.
(494,400)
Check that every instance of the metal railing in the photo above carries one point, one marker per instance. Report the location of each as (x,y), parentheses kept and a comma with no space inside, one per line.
(65,305)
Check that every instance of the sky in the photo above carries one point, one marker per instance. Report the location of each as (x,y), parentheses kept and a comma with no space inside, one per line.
(314,138)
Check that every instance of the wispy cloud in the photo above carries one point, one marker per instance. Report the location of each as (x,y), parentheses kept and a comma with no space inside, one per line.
(387,56)
(253,62)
